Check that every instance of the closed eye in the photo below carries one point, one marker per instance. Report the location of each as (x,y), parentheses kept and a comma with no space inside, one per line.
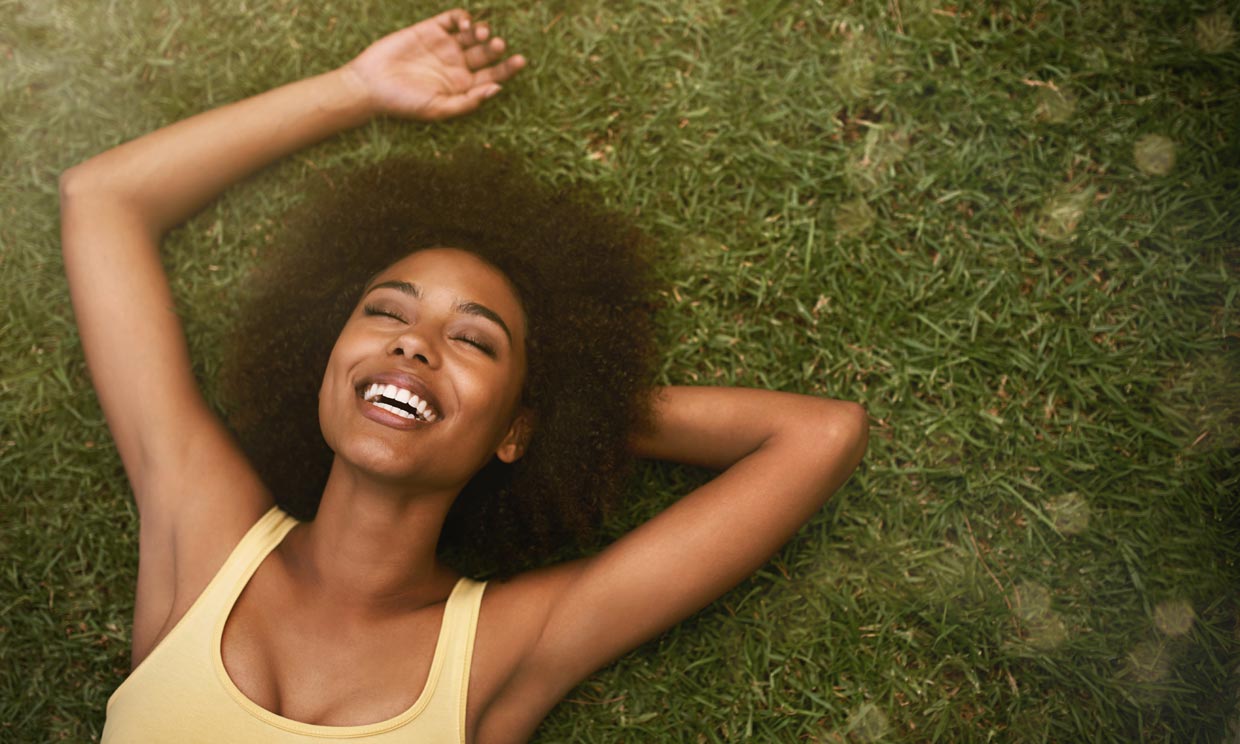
(478,343)
(371,310)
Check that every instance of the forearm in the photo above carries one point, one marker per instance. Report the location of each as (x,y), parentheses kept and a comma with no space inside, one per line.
(782,456)
(716,427)
(166,176)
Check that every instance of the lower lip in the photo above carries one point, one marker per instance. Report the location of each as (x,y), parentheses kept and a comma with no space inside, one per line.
(387,418)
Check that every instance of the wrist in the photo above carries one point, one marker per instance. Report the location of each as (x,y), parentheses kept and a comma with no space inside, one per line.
(356,100)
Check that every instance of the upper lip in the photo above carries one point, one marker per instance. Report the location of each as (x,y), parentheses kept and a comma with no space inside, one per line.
(403,380)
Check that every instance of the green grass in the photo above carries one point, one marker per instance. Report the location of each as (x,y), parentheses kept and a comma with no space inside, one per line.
(936,209)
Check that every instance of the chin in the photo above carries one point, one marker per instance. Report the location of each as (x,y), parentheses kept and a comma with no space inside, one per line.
(376,460)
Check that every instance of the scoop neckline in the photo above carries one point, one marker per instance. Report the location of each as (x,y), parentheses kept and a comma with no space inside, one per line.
(301,727)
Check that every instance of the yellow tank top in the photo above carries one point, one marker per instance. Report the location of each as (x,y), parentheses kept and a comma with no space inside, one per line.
(181,693)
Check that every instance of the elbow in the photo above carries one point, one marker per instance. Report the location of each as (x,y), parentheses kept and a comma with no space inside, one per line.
(860,421)
(843,433)
(77,181)
(91,193)
(856,428)
(86,178)
(70,183)
(73,184)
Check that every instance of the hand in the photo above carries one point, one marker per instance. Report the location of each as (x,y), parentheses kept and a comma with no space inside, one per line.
(442,67)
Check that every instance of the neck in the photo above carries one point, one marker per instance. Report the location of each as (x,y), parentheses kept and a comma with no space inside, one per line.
(371,546)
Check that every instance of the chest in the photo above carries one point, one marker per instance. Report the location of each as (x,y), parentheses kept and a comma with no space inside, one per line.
(313,663)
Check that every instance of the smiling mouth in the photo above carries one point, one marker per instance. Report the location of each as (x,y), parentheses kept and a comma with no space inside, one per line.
(402,402)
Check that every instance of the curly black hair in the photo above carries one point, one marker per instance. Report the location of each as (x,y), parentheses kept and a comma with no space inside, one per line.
(583,274)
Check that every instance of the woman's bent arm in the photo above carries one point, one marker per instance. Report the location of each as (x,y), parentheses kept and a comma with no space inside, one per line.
(782,457)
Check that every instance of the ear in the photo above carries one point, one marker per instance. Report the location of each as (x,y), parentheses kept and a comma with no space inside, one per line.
(513,445)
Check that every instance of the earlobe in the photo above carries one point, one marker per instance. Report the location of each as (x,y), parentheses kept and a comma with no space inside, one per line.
(518,437)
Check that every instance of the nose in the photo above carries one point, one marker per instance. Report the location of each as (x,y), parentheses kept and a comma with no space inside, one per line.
(414,343)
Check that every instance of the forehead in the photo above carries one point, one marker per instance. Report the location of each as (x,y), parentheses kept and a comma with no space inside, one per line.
(459,276)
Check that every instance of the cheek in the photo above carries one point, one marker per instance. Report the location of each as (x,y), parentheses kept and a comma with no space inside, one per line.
(330,398)
(325,413)
(498,399)
(324,400)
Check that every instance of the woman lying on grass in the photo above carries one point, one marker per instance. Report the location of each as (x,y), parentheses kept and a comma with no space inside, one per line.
(487,388)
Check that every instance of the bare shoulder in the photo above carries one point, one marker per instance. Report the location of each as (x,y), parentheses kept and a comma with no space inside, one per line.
(187,532)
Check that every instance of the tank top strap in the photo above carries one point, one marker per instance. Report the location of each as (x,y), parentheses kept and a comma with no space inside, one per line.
(245,558)
(460,624)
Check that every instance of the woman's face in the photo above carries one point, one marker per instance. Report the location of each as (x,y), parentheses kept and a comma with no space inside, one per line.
(424,382)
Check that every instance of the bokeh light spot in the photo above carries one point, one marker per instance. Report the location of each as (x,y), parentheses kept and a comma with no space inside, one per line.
(1054,106)
(1043,627)
(1174,617)
(1049,632)
(1069,512)
(875,160)
(1062,214)
(858,65)
(1215,33)
(1033,601)
(1154,154)
(868,724)
(1149,661)
(853,218)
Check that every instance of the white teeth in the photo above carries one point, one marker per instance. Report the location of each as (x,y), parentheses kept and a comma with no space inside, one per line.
(373,392)
(395,410)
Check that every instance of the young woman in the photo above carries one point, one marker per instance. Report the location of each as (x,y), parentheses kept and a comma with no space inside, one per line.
(252,626)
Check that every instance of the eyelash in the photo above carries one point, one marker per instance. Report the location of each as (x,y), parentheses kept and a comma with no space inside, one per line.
(477,343)
(375,310)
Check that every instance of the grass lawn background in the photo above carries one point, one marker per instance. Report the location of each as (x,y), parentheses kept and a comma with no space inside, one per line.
(1011,230)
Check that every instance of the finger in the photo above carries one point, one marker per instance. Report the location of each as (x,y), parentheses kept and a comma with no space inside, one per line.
(473,34)
(482,55)
(464,103)
(456,19)
(500,72)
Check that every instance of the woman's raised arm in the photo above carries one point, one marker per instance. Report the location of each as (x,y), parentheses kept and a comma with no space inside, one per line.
(115,209)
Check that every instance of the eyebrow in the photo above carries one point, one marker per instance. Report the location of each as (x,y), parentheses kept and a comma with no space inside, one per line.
(468,307)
